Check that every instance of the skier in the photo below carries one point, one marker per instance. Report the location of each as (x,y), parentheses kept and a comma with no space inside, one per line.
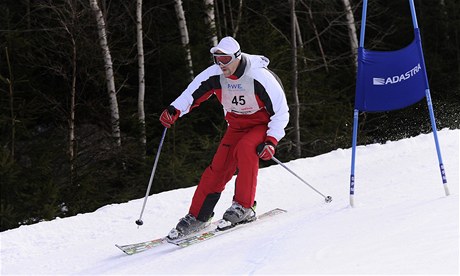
(256,112)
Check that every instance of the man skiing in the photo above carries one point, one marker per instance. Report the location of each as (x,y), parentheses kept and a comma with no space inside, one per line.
(256,112)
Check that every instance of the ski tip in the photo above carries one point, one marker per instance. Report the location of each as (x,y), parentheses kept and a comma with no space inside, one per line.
(124,251)
(278,211)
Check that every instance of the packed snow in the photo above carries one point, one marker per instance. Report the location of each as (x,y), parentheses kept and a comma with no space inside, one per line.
(402,223)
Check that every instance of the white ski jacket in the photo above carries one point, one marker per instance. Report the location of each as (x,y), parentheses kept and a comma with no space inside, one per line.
(253,95)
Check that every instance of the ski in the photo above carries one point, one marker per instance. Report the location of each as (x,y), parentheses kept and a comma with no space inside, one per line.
(197,238)
(134,248)
(201,236)
(131,249)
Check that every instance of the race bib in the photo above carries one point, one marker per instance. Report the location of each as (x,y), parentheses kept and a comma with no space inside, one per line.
(238,96)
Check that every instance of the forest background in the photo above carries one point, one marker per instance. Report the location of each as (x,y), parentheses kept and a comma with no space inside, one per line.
(78,133)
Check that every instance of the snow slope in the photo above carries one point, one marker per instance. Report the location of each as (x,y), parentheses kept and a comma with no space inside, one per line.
(402,223)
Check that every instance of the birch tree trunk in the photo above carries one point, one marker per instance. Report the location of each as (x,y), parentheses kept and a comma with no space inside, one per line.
(238,20)
(184,35)
(115,115)
(300,40)
(140,59)
(351,31)
(67,21)
(211,20)
(72,144)
(295,79)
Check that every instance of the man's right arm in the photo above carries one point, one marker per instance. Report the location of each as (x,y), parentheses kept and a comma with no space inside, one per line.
(200,89)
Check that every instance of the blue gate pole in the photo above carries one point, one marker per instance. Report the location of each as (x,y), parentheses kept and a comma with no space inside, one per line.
(356,111)
(363,24)
(428,98)
(436,141)
(353,157)
(414,15)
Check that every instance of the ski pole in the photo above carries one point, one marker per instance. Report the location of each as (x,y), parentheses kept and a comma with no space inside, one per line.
(139,221)
(326,198)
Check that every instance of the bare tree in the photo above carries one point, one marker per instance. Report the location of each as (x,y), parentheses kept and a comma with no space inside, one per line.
(211,20)
(238,20)
(295,78)
(184,35)
(141,70)
(224,16)
(351,31)
(217,13)
(73,93)
(115,114)
(300,40)
(317,35)
(62,43)
(10,82)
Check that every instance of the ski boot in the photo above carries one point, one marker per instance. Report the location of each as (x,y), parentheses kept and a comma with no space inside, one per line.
(237,214)
(188,225)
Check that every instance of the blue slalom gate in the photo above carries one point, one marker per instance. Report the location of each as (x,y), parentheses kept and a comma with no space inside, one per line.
(390,80)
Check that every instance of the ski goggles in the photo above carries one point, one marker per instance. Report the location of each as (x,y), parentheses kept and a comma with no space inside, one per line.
(225,59)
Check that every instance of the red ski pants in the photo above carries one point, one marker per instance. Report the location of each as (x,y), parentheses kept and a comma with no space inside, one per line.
(237,150)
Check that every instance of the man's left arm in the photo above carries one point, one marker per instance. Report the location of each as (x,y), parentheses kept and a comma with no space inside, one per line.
(274,98)
(275,103)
